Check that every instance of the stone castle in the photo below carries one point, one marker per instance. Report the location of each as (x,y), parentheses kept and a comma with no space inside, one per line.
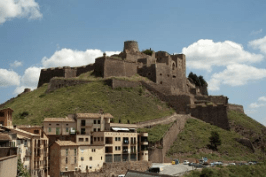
(167,74)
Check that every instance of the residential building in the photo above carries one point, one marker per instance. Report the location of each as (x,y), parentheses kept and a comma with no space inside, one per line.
(95,140)
(64,157)
(6,117)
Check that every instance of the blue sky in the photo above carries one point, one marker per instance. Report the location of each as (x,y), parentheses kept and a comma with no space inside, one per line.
(225,41)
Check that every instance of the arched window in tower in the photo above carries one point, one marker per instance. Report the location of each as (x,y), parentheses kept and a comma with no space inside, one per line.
(173,66)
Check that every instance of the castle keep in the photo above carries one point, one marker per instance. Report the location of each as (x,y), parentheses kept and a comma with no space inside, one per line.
(167,75)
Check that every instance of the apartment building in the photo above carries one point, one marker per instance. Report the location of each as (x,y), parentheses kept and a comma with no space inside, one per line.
(64,157)
(6,117)
(31,144)
(96,140)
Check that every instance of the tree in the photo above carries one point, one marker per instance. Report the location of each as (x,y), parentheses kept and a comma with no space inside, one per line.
(21,171)
(215,140)
(198,81)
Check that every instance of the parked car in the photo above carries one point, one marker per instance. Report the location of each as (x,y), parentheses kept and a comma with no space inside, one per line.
(232,164)
(186,162)
(199,166)
(191,164)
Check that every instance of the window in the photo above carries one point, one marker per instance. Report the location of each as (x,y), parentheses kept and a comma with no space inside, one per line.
(81,139)
(66,129)
(83,131)
(57,130)
(98,138)
(66,160)
(83,122)
(115,138)
(82,158)
(66,124)
(90,158)
(50,124)
(94,138)
(75,159)
(99,130)
(94,121)
(99,121)
(57,124)
(75,151)
(87,139)
(49,129)
(66,152)
(101,157)
(93,150)
(118,139)
(94,129)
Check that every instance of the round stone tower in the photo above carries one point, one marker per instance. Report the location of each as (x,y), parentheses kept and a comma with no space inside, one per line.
(131,46)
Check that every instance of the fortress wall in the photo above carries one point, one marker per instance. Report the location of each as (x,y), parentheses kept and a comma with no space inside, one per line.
(148,71)
(204,90)
(116,83)
(70,72)
(117,67)
(47,74)
(179,102)
(216,115)
(235,107)
(84,69)
(218,99)
(59,83)
(163,74)
(99,66)
(130,69)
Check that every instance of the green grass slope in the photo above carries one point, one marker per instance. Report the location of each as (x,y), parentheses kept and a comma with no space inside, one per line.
(247,127)
(133,104)
(231,171)
(193,142)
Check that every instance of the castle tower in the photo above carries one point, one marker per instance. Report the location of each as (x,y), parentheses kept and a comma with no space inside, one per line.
(131,46)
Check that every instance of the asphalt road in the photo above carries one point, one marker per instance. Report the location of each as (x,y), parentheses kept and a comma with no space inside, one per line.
(169,169)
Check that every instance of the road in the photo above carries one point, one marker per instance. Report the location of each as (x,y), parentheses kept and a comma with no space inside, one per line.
(174,170)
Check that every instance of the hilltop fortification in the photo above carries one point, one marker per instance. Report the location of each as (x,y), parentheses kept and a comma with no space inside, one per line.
(167,73)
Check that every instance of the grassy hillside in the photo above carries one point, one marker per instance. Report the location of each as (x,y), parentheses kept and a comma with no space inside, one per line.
(133,104)
(193,142)
(247,127)
(231,171)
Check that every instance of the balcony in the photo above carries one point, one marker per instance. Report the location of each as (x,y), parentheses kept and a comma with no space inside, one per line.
(125,141)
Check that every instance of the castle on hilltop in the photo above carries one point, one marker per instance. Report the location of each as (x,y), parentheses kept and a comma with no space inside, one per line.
(167,75)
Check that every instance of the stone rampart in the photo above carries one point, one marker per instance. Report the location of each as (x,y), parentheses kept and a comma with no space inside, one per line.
(84,69)
(157,154)
(236,107)
(215,115)
(116,83)
(47,74)
(57,83)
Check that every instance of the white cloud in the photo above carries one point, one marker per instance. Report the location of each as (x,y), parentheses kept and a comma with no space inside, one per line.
(236,75)
(8,78)
(263,98)
(16,64)
(29,79)
(19,8)
(256,105)
(204,54)
(256,32)
(259,44)
(69,57)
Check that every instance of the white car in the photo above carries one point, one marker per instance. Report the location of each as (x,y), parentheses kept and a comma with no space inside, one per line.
(186,162)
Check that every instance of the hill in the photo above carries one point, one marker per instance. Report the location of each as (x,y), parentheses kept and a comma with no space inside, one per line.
(193,141)
(127,104)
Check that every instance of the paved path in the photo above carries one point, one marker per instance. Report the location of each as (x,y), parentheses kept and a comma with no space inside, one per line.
(174,170)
